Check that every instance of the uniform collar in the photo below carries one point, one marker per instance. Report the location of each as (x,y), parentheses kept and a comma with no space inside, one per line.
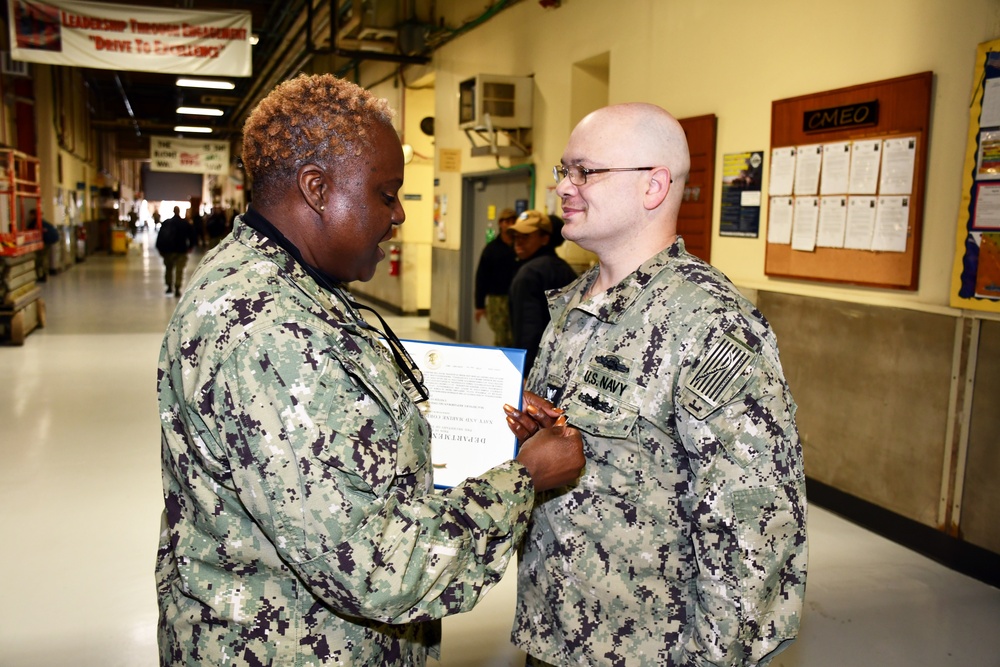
(255,230)
(611,306)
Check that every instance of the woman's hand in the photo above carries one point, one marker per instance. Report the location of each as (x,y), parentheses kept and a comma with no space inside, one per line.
(553,456)
(537,414)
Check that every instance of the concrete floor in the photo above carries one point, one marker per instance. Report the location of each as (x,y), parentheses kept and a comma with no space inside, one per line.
(80,505)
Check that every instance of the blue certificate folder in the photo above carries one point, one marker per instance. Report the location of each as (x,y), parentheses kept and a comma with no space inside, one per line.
(468,387)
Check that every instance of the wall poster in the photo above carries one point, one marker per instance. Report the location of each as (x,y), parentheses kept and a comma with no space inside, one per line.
(976,270)
(741,183)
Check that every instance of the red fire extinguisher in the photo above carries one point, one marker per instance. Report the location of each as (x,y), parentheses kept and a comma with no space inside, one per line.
(394,260)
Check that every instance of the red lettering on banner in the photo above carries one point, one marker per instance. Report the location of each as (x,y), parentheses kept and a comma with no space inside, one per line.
(114,45)
(143,28)
(212,32)
(91,23)
(190,159)
(186,50)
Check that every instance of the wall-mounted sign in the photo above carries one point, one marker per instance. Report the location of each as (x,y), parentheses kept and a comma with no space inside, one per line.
(127,37)
(450,159)
(862,114)
(188,155)
(741,181)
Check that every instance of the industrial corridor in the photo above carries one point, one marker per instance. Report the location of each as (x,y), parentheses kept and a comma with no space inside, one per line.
(80,503)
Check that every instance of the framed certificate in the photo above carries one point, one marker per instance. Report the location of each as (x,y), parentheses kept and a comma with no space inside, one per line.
(468,386)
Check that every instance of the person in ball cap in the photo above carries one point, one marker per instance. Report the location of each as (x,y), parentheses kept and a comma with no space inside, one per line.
(536,237)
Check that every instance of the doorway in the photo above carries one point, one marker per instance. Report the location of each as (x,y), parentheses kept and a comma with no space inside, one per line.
(483,197)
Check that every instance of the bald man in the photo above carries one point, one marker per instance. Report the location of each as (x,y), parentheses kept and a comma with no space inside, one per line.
(684,541)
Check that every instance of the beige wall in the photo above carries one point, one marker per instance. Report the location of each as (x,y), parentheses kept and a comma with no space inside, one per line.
(732,59)
(410,291)
(877,372)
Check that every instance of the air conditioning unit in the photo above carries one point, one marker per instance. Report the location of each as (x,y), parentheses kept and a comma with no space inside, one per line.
(495,101)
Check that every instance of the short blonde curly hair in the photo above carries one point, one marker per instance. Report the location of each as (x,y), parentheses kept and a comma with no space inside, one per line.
(311,118)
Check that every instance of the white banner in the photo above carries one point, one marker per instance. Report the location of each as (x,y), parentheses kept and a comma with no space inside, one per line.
(125,37)
(188,155)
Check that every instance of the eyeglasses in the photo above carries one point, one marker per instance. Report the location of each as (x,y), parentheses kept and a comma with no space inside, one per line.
(578,175)
(414,376)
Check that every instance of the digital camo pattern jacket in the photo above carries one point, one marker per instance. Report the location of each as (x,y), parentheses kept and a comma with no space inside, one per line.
(299,526)
(684,541)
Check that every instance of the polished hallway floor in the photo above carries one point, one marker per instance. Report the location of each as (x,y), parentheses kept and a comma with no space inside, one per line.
(80,504)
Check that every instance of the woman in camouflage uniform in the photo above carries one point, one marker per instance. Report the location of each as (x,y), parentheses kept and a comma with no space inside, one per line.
(300,524)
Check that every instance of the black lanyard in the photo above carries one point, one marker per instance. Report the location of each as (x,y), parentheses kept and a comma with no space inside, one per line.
(404,361)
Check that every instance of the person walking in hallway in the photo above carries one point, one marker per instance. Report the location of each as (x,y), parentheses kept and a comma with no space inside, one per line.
(684,541)
(175,240)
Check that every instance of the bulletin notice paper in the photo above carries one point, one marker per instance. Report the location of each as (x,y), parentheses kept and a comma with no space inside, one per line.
(782,171)
(468,386)
(860,223)
(866,158)
(808,160)
(779,222)
(832,221)
(836,168)
(805,224)
(892,224)
(899,157)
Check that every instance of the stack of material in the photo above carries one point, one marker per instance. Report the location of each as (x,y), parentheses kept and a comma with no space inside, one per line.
(21,306)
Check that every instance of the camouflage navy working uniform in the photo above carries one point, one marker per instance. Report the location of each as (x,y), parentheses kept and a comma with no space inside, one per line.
(684,541)
(300,525)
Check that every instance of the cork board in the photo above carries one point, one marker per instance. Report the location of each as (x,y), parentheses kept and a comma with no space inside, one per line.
(903,110)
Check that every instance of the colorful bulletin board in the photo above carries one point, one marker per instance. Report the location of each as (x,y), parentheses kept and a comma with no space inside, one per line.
(975,283)
(846,187)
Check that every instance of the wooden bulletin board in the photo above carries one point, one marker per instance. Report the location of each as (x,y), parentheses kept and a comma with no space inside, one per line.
(903,110)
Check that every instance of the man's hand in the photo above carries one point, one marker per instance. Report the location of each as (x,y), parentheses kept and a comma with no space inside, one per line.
(479,313)
(553,456)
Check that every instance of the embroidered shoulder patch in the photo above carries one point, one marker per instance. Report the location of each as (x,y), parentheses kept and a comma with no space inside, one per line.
(719,368)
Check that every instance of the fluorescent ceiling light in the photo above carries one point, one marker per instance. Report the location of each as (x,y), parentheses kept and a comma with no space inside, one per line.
(192,128)
(199,111)
(206,83)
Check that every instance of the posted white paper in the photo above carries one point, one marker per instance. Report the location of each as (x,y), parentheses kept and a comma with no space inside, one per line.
(782,172)
(832,221)
(860,223)
(779,222)
(892,221)
(808,160)
(990,116)
(866,156)
(898,158)
(468,387)
(987,207)
(834,177)
(806,221)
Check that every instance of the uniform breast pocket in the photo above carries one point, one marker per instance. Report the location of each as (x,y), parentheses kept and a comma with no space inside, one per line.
(381,438)
(614,454)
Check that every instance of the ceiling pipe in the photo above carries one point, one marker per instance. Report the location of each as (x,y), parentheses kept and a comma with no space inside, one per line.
(352,54)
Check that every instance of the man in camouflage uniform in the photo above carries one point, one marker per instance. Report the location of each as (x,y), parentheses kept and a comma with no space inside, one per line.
(300,526)
(684,541)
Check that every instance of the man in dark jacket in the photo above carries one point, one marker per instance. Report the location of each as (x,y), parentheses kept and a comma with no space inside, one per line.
(536,237)
(174,241)
(497,265)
